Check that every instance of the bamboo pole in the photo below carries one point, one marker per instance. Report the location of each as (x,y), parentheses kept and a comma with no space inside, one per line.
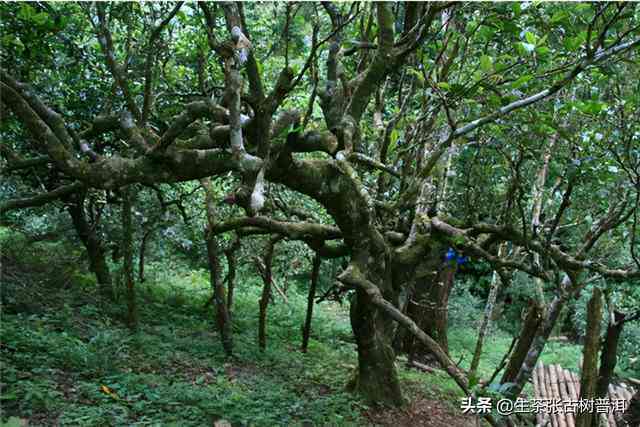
(537,391)
(565,395)
(553,380)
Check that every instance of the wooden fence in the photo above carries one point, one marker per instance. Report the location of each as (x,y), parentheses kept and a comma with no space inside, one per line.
(553,382)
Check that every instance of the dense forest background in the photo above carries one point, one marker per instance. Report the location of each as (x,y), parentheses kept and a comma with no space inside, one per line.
(315,213)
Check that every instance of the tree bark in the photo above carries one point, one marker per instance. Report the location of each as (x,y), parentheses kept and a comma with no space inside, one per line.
(223,320)
(315,273)
(93,244)
(436,313)
(537,344)
(353,277)
(127,246)
(232,261)
(609,355)
(266,273)
(143,251)
(589,379)
(527,334)
(427,303)
(376,379)
(488,312)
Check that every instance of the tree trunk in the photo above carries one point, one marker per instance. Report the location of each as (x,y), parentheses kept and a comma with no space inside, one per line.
(95,250)
(143,250)
(382,307)
(527,334)
(315,273)
(266,273)
(589,379)
(429,309)
(538,202)
(488,312)
(127,249)
(428,301)
(230,254)
(376,379)
(436,313)
(223,320)
(537,344)
(609,355)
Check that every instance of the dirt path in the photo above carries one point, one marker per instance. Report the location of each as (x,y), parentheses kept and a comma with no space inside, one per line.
(422,412)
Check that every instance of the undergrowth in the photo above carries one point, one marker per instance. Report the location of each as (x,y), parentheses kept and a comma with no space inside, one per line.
(67,357)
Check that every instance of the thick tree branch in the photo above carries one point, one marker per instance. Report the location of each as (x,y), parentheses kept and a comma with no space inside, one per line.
(293,230)
(41,199)
(553,252)
(106,42)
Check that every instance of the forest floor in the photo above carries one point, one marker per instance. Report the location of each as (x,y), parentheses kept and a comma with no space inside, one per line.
(66,361)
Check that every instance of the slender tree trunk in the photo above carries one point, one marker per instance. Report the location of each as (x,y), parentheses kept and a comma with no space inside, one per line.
(143,251)
(528,332)
(589,379)
(223,320)
(232,262)
(488,312)
(538,203)
(609,355)
(266,273)
(315,273)
(537,344)
(93,244)
(127,246)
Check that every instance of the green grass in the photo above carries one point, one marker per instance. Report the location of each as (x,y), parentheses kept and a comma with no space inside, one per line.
(462,344)
(67,361)
(57,358)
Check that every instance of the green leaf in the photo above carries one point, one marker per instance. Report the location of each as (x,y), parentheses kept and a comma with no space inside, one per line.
(530,37)
(394,136)
(521,81)
(40,18)
(543,50)
(526,47)
(26,12)
(590,107)
(486,64)
(418,75)
(444,85)
(543,40)
(558,16)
